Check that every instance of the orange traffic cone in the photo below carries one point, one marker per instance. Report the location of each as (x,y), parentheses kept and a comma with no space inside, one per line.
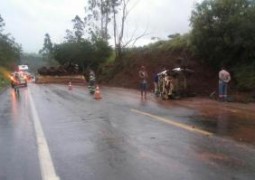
(97,94)
(70,87)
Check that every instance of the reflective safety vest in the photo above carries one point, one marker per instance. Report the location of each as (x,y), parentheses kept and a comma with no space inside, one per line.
(92,78)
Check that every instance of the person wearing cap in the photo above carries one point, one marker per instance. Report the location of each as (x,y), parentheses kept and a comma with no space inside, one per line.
(143,75)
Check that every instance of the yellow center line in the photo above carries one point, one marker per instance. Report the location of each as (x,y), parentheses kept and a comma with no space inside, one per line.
(171,122)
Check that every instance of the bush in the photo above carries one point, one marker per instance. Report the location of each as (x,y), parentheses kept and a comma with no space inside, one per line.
(245,77)
(179,42)
(4,77)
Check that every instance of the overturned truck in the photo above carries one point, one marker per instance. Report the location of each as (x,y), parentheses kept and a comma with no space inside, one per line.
(62,74)
(66,69)
(173,84)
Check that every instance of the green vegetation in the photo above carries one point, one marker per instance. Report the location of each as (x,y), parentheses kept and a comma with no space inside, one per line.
(9,50)
(9,54)
(224,34)
(245,76)
(177,42)
(4,78)
(85,53)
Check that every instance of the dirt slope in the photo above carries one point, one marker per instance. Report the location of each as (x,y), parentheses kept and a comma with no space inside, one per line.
(202,82)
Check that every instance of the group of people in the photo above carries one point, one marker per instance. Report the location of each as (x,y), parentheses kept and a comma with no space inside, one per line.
(143,75)
(224,79)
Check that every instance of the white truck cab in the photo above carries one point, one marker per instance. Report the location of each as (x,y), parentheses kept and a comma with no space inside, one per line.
(23,67)
(24,70)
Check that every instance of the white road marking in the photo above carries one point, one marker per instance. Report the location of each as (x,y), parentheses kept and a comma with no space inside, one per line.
(47,168)
(174,123)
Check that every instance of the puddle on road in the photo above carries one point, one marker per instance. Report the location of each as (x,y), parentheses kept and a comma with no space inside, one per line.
(231,120)
(238,127)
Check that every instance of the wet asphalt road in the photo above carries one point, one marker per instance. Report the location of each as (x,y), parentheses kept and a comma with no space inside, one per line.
(51,132)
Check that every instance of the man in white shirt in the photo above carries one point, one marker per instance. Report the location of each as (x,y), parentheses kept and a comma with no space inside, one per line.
(224,78)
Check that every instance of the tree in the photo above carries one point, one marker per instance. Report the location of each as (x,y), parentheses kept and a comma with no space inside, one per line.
(78,26)
(85,53)
(121,10)
(102,51)
(78,30)
(47,49)
(98,10)
(106,11)
(118,34)
(9,50)
(224,31)
(69,36)
(2,24)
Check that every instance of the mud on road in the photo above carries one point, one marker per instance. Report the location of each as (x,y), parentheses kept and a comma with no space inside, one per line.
(231,120)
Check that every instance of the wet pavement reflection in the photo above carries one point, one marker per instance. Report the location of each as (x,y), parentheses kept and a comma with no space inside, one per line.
(240,129)
(231,120)
(125,137)
(14,104)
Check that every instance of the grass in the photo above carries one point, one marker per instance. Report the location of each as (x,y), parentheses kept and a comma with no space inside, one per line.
(4,78)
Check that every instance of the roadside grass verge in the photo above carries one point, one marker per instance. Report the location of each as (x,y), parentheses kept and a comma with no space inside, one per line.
(4,78)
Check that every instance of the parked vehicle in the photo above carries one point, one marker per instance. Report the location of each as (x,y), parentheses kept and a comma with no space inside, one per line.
(18,80)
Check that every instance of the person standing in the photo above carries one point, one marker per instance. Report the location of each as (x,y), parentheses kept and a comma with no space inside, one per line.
(143,75)
(156,85)
(92,81)
(224,79)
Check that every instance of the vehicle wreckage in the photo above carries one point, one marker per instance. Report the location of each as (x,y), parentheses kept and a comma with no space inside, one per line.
(173,84)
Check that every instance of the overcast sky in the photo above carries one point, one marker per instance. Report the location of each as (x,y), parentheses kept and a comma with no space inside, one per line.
(28,20)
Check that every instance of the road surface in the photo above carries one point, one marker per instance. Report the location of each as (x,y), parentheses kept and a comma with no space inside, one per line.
(50,132)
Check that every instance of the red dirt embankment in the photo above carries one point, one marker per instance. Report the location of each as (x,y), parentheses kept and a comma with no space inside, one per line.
(203,81)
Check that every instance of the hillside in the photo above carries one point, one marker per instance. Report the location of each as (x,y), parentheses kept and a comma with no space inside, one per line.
(125,73)
(202,82)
